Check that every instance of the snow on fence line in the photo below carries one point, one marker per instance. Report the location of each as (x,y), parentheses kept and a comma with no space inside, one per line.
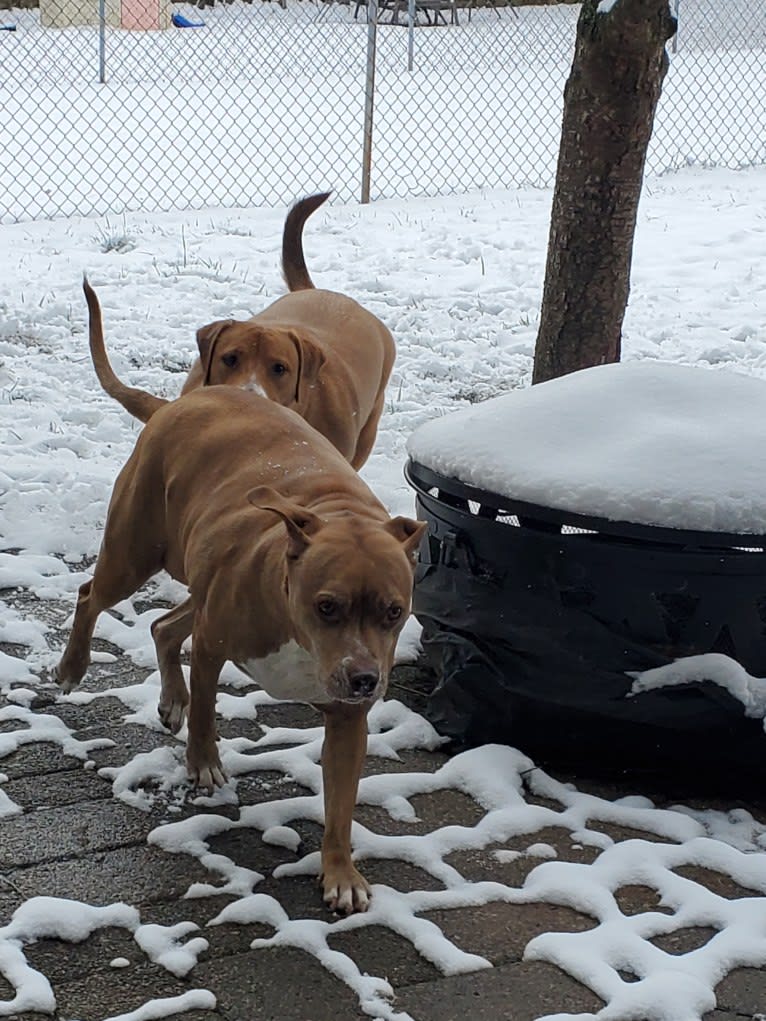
(261,103)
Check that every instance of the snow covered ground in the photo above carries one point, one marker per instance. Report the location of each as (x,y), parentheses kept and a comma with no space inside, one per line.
(458,280)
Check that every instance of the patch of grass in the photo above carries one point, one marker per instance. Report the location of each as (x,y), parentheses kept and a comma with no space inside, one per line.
(113,239)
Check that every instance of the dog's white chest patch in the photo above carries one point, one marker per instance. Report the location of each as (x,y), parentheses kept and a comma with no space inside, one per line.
(289,674)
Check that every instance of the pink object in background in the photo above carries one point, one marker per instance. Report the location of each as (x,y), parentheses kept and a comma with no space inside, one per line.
(140,14)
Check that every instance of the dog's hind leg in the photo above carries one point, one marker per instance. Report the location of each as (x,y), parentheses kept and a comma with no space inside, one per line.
(367,436)
(74,662)
(107,587)
(169,633)
(202,759)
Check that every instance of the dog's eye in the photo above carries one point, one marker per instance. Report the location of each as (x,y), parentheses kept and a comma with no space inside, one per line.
(230,360)
(393,613)
(279,368)
(327,609)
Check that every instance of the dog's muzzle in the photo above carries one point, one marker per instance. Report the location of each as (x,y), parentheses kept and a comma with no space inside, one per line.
(254,387)
(357,686)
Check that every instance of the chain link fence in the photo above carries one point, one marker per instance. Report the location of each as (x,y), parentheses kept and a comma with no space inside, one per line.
(116,105)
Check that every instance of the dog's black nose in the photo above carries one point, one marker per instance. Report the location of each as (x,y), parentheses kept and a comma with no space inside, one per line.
(362,684)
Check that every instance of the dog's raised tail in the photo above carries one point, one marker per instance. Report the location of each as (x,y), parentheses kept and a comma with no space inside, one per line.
(139,403)
(293,263)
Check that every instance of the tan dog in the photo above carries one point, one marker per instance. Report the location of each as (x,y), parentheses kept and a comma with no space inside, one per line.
(296,573)
(317,352)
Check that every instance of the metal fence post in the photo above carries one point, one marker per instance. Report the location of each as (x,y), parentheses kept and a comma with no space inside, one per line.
(369,97)
(675,37)
(102,41)
(410,33)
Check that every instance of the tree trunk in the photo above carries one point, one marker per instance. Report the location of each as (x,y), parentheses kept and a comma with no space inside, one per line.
(609,104)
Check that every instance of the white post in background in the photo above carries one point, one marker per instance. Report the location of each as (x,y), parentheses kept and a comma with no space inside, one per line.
(410,33)
(369,97)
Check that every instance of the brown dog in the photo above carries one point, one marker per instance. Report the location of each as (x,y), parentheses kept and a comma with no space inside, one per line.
(295,571)
(317,352)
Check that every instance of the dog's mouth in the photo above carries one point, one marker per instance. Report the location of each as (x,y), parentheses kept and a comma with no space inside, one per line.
(361,699)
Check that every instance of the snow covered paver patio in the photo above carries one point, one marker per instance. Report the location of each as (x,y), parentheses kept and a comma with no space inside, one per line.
(661,905)
(157,900)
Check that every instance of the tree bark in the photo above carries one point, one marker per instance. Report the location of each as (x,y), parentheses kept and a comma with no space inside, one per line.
(609,105)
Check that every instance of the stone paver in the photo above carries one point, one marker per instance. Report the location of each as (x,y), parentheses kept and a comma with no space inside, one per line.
(717,882)
(743,991)
(80,829)
(500,932)
(635,899)
(377,950)
(117,991)
(510,992)
(37,760)
(61,788)
(281,984)
(131,874)
(684,941)
(481,864)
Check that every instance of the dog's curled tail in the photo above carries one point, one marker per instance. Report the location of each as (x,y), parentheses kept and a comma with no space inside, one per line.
(293,263)
(139,403)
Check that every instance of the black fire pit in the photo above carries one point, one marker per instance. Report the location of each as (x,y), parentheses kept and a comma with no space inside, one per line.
(537,621)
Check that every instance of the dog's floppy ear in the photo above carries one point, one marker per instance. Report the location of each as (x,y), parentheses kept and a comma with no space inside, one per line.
(207,338)
(301,524)
(311,358)
(408,532)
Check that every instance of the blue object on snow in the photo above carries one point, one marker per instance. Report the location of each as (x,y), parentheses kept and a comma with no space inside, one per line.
(181,21)
(7,28)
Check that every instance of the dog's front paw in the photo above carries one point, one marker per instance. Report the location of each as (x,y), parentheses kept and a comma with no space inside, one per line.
(345,890)
(205,769)
(68,674)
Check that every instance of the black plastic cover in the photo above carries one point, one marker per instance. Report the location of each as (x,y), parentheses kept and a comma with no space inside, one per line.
(534,621)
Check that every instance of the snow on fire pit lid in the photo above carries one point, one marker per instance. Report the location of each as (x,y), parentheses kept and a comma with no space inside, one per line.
(647,442)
